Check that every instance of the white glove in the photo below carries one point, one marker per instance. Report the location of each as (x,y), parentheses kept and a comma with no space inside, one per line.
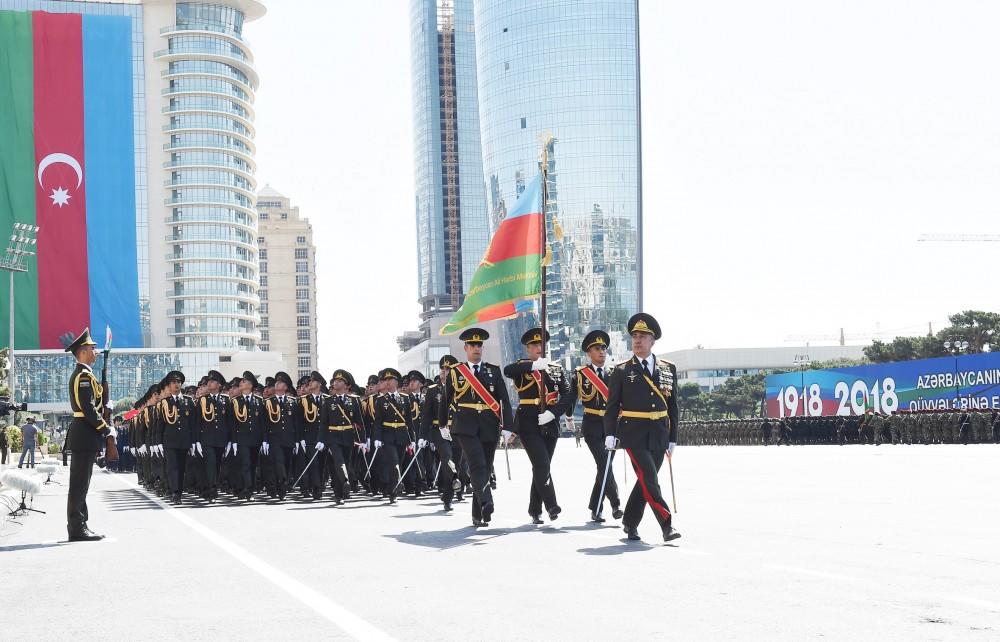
(570,423)
(365,447)
(670,449)
(378,444)
(545,417)
(320,446)
(198,448)
(295,449)
(446,434)
(234,448)
(191,451)
(265,448)
(229,447)
(506,436)
(609,442)
(159,450)
(541,363)
(114,433)
(433,448)
(413,446)
(302,445)
(422,443)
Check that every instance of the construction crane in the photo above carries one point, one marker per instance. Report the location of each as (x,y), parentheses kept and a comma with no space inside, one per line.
(958,238)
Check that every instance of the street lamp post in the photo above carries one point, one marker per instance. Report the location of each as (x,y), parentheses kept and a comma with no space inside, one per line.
(15,259)
(956,346)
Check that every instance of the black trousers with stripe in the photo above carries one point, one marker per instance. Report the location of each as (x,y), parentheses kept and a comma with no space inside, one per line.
(646,464)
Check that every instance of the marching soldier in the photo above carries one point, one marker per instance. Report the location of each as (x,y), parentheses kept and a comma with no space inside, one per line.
(313,428)
(212,428)
(590,386)
(247,435)
(393,426)
(281,433)
(543,398)
(372,474)
(476,399)
(642,414)
(176,417)
(415,383)
(87,435)
(438,434)
(340,414)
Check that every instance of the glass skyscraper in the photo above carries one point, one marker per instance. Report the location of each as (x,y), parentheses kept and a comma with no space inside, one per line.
(450,200)
(564,74)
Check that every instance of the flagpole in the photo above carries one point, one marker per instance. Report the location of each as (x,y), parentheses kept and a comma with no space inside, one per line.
(545,202)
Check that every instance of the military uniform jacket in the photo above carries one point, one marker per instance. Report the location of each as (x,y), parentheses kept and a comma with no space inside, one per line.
(176,421)
(528,393)
(213,416)
(340,417)
(139,428)
(246,426)
(393,418)
(462,404)
(593,401)
(310,420)
(642,411)
(88,429)
(430,414)
(281,421)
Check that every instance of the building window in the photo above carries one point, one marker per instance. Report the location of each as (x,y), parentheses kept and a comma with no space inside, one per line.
(263,266)
(302,293)
(524,123)
(263,216)
(265,335)
(305,362)
(284,216)
(301,240)
(260,240)
(302,279)
(301,253)
(302,266)
(262,294)
(263,346)
(263,308)
(302,322)
(263,322)
(262,254)
(263,280)
(304,348)
(302,307)
(302,335)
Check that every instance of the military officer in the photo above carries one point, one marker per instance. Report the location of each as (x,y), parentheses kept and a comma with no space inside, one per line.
(88,433)
(475,398)
(415,384)
(340,415)
(642,415)
(311,423)
(393,427)
(590,385)
(212,431)
(542,399)
(438,434)
(281,433)
(247,436)
(176,417)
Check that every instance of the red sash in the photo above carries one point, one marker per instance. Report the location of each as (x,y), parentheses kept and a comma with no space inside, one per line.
(479,388)
(543,391)
(592,377)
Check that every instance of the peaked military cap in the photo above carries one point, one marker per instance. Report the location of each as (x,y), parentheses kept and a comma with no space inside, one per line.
(283,376)
(416,375)
(643,322)
(251,377)
(447,361)
(534,335)
(173,375)
(474,335)
(389,373)
(344,376)
(82,340)
(596,338)
(372,380)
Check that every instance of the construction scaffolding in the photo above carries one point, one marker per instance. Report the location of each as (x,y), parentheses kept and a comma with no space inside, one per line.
(449,149)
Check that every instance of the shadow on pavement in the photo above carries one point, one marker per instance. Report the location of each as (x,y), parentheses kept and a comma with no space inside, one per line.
(28,547)
(466,536)
(128,499)
(618,549)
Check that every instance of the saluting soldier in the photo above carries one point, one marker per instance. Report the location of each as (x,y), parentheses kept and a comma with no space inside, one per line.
(476,399)
(393,427)
(311,424)
(642,414)
(542,399)
(88,433)
(438,434)
(247,434)
(176,418)
(590,386)
(281,432)
(212,431)
(340,414)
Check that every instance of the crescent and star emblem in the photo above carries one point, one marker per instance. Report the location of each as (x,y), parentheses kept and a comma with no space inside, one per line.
(60,196)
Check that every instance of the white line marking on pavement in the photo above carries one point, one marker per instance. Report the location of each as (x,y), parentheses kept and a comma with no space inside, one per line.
(813,573)
(338,615)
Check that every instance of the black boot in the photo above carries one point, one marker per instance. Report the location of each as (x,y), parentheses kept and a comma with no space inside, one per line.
(617,513)
(632,533)
(669,533)
(596,518)
(554,513)
(537,519)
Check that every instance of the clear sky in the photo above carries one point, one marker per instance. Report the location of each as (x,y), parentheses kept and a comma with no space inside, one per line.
(792,154)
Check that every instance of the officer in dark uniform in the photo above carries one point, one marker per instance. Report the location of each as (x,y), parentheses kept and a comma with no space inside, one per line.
(176,418)
(393,427)
(340,416)
(372,474)
(480,413)
(438,434)
(542,399)
(247,434)
(589,385)
(311,423)
(88,433)
(281,432)
(642,413)
(212,431)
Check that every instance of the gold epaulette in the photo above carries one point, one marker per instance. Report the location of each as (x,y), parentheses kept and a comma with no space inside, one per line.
(664,362)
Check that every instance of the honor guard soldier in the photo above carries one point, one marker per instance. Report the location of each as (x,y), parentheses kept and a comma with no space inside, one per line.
(438,434)
(247,434)
(642,415)
(415,384)
(475,398)
(281,432)
(373,474)
(393,426)
(590,386)
(340,416)
(542,399)
(313,429)
(176,421)
(212,431)
(88,433)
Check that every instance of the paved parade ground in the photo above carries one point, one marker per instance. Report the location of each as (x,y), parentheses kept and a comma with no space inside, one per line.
(856,542)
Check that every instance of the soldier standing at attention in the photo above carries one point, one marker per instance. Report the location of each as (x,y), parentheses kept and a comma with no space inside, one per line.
(176,424)
(642,414)
(87,434)
(339,416)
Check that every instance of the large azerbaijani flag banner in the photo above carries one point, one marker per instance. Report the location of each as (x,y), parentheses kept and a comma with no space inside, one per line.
(510,275)
(67,165)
